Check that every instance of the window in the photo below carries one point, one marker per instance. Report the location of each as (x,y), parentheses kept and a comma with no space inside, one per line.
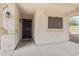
(55,22)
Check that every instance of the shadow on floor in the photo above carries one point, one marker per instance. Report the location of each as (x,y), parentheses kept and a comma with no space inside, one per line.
(74,38)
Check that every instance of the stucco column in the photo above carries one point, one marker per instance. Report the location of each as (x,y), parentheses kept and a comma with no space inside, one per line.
(2,32)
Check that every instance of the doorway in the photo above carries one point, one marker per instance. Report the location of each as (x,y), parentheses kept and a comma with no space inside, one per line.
(26,29)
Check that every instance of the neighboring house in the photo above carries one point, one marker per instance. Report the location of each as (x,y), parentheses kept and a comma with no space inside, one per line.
(49,22)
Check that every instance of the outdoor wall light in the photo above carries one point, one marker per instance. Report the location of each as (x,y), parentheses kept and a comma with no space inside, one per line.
(8,14)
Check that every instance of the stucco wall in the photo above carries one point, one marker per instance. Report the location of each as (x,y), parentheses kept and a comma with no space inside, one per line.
(12,26)
(1,15)
(26,17)
(0,22)
(18,30)
(43,35)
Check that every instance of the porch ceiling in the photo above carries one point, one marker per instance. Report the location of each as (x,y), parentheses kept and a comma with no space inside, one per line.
(50,8)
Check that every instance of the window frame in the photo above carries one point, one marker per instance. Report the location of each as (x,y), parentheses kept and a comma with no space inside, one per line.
(55,28)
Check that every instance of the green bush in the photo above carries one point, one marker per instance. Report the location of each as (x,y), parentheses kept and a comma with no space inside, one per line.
(73,23)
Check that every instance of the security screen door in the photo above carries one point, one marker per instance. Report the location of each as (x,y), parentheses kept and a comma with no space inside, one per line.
(26,28)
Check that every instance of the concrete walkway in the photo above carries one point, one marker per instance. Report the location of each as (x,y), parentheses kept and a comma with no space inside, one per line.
(28,48)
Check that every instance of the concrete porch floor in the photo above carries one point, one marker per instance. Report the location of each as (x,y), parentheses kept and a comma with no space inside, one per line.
(29,48)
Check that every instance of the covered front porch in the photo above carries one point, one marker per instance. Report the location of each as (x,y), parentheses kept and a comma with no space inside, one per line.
(40,38)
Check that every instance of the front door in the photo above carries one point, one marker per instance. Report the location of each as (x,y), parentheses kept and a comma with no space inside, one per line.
(26,28)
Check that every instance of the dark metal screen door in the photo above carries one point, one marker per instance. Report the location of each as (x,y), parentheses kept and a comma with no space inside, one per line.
(26,28)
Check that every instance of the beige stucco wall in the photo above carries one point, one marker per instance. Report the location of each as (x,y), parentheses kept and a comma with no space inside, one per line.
(0,22)
(43,35)
(18,31)
(11,39)
(1,15)
(26,17)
